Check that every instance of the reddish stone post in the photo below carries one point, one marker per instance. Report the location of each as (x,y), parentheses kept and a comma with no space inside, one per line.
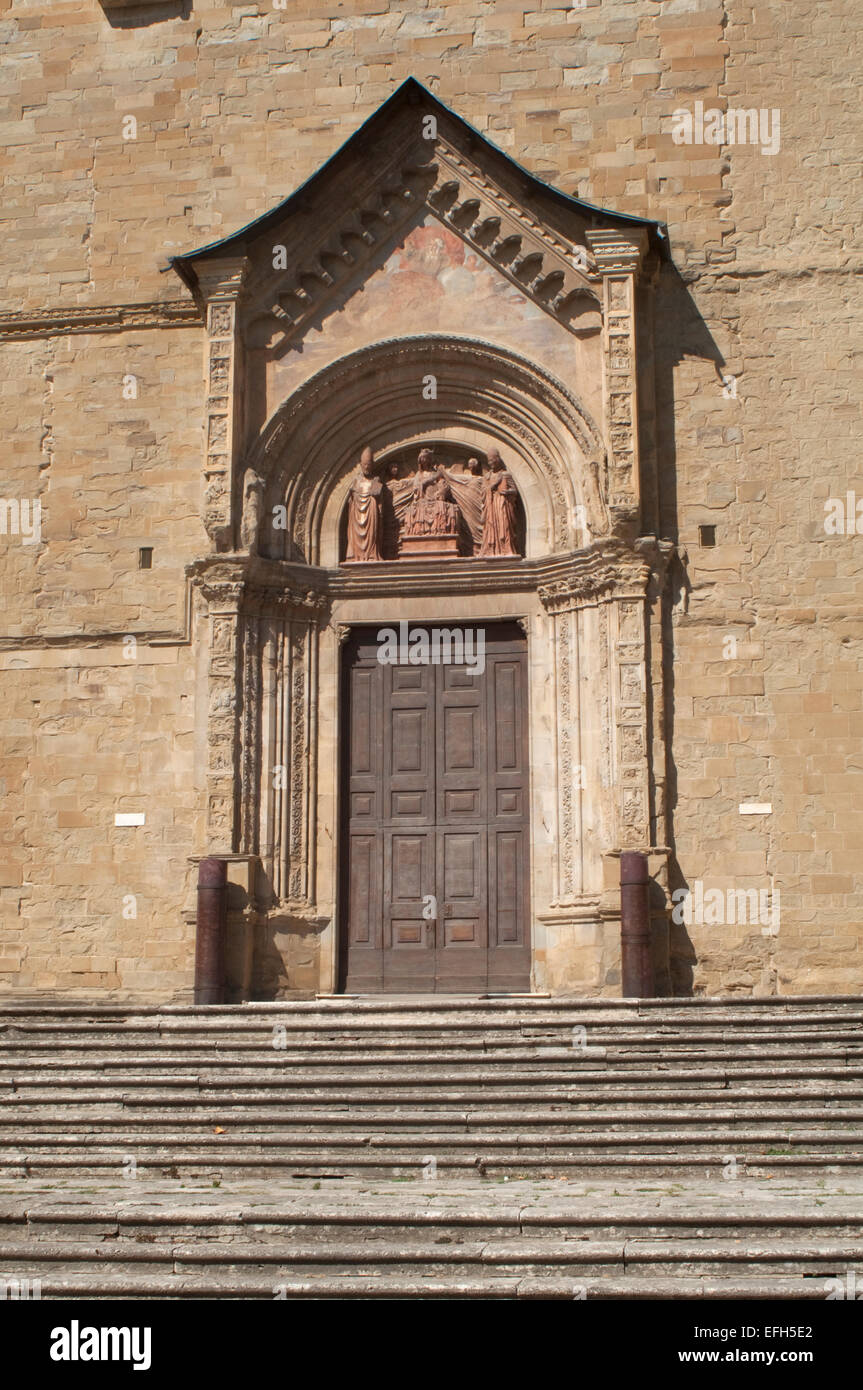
(635,945)
(210,933)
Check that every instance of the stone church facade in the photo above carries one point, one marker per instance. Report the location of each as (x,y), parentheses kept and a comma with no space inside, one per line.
(249,430)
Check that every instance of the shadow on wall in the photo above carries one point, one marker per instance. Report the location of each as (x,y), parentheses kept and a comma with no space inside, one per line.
(136,14)
(680,332)
(286,959)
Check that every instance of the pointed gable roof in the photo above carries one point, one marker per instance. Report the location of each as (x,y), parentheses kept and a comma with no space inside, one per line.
(370,138)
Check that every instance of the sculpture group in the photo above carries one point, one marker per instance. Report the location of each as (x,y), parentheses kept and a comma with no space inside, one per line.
(433,513)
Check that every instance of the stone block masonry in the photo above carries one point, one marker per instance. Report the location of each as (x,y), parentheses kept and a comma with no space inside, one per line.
(131,135)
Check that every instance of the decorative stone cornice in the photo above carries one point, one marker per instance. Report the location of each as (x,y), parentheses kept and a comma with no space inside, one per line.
(324,251)
(548,268)
(97,318)
(252,585)
(611,570)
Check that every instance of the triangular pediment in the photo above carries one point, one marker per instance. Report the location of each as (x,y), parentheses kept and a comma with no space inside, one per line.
(412,161)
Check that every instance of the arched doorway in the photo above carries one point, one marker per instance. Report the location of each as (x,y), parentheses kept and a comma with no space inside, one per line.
(574,607)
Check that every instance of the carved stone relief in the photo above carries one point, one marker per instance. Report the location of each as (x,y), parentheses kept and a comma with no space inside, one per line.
(221,284)
(440,510)
(619,257)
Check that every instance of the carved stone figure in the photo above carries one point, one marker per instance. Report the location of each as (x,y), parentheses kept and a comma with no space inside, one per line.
(430,523)
(253,492)
(499,509)
(419,518)
(365,529)
(444,512)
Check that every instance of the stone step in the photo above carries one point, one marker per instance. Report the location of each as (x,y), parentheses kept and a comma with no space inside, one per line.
(253,1105)
(547,1257)
(468,1079)
(438,1213)
(26,1058)
(561,1062)
(245,1285)
(387,1163)
(552,1125)
(365,1093)
(359,1006)
(285,1036)
(591,1071)
(240,1023)
(558,1107)
(34,1120)
(841,1140)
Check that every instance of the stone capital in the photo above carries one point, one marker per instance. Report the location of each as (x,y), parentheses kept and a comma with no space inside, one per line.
(617,252)
(222,279)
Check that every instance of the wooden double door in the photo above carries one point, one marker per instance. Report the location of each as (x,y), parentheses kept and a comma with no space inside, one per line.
(435,818)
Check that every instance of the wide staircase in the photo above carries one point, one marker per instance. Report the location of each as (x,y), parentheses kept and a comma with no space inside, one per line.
(452,1148)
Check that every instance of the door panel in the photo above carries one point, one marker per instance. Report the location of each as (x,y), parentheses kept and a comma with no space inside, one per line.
(434,800)
(362,876)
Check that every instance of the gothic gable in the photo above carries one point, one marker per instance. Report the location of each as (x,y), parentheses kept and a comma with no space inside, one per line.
(414,157)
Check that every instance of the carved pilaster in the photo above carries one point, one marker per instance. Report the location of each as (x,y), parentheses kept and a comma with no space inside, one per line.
(619,256)
(615,580)
(223,599)
(297,842)
(250,735)
(569,769)
(260,694)
(658,555)
(630,721)
(294,877)
(221,283)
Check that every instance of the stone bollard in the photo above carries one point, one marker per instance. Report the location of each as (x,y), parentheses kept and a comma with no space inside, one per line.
(636,962)
(210,931)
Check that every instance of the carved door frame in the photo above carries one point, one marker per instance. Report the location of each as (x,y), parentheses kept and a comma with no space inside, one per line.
(592,623)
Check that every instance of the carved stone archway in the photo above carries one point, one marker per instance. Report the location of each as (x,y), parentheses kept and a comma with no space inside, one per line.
(375,396)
